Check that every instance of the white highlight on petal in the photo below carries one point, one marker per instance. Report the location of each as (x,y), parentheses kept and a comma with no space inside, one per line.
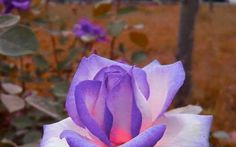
(185,130)
(55,142)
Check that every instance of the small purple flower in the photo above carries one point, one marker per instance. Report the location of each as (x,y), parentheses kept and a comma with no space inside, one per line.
(9,5)
(88,32)
(113,104)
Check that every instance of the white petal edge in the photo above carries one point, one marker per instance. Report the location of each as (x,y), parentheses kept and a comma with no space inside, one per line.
(52,132)
(55,142)
(185,130)
(189,109)
(164,82)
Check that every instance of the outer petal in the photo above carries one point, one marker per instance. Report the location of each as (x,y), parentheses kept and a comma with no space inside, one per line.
(148,138)
(76,140)
(52,142)
(84,91)
(164,82)
(87,70)
(52,132)
(190,109)
(185,130)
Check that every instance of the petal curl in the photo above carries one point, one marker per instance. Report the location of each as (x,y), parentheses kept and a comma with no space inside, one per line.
(164,82)
(185,130)
(84,91)
(148,138)
(54,130)
(142,104)
(76,140)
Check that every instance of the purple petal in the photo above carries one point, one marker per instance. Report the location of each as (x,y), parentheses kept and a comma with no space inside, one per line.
(110,69)
(185,130)
(76,140)
(164,82)
(101,113)
(141,80)
(142,104)
(84,91)
(148,138)
(121,103)
(21,5)
(87,70)
(54,130)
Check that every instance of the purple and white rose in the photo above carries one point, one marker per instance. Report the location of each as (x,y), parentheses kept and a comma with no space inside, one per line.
(114,104)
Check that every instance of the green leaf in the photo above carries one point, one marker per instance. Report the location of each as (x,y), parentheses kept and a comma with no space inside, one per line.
(8,20)
(43,105)
(22,122)
(60,89)
(40,62)
(115,28)
(139,39)
(32,136)
(17,41)
(138,57)
(71,56)
(222,135)
(126,10)
(12,103)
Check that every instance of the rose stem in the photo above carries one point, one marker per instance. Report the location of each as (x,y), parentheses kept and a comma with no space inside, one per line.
(55,54)
(112,47)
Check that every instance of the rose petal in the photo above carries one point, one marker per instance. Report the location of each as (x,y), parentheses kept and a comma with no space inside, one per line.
(190,109)
(121,103)
(55,142)
(141,81)
(164,82)
(148,138)
(142,104)
(22,5)
(185,130)
(87,70)
(54,131)
(76,140)
(84,91)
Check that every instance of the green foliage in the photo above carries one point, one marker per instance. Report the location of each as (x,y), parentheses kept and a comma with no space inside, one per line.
(40,62)
(17,41)
(115,28)
(138,57)
(8,20)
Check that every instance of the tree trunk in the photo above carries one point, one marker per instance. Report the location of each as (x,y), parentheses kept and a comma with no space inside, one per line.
(188,13)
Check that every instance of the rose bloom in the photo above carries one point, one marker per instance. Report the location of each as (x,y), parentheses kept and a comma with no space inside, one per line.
(9,5)
(114,104)
(88,32)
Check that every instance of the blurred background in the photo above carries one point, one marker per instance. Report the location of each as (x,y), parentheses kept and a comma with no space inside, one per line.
(40,50)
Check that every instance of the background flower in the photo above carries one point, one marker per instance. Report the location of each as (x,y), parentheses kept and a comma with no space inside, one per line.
(88,32)
(9,5)
(113,104)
